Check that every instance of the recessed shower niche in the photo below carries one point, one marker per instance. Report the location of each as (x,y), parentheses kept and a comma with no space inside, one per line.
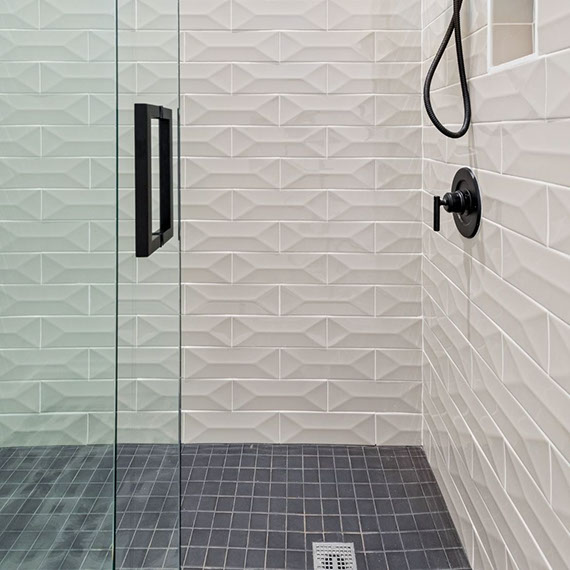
(512,30)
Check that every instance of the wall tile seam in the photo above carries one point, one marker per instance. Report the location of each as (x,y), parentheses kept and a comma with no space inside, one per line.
(442,481)
(436,447)
(511,177)
(371,156)
(504,334)
(278,59)
(485,268)
(512,68)
(474,350)
(549,313)
(447,13)
(506,496)
(505,440)
(528,416)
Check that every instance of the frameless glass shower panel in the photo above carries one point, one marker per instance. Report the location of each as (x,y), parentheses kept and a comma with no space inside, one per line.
(57,283)
(149,287)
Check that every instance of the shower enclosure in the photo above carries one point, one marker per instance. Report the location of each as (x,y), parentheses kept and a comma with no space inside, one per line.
(89,332)
(229,336)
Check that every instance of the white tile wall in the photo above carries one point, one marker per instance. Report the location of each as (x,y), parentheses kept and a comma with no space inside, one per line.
(497,326)
(149,295)
(301,208)
(56,338)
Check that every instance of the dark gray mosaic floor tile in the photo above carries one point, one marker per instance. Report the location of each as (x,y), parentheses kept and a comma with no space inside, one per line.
(263,506)
(244,507)
(56,507)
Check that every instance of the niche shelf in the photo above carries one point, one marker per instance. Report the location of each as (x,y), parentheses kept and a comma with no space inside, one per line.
(512,30)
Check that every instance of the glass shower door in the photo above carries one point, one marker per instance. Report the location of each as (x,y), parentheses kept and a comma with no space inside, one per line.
(148,415)
(57,283)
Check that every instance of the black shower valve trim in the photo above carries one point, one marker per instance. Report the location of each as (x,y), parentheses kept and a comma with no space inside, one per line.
(464,202)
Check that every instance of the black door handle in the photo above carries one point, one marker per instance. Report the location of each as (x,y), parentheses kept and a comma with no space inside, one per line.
(148,241)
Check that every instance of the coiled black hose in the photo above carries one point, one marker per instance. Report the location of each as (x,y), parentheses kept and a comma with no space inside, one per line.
(454,26)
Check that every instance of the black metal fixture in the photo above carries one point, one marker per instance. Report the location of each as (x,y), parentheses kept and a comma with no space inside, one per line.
(148,241)
(464,202)
(453,28)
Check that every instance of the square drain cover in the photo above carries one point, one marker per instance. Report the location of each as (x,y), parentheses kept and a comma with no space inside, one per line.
(334,556)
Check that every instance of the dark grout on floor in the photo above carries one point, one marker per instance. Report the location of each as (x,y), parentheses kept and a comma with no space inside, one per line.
(247,507)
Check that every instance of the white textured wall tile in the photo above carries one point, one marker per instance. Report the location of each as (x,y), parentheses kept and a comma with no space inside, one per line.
(229,427)
(324,110)
(367,14)
(228,236)
(553,19)
(207,395)
(346,428)
(398,110)
(280,331)
(495,331)
(558,230)
(560,481)
(537,150)
(206,330)
(205,14)
(380,206)
(397,301)
(327,46)
(398,429)
(213,299)
(229,110)
(81,14)
(332,173)
(210,204)
(557,98)
(319,300)
(301,363)
(280,268)
(243,46)
(279,14)
(374,141)
(397,78)
(206,267)
(231,363)
(384,269)
(326,237)
(379,397)
(517,204)
(43,429)
(301,158)
(268,395)
(18,14)
(279,78)
(283,205)
(544,399)
(279,141)
(374,333)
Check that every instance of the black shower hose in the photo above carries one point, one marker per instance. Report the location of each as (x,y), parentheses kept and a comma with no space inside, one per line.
(454,26)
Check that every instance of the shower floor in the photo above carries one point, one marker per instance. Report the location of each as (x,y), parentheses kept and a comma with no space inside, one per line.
(243,507)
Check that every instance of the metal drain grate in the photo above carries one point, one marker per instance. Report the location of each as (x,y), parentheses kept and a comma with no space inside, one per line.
(334,556)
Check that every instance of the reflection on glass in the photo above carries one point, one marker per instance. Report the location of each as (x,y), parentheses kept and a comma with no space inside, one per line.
(57,283)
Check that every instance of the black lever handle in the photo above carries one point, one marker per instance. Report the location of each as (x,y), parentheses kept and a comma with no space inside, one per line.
(436,213)
(456,202)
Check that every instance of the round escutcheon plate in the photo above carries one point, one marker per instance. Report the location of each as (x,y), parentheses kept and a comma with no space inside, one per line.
(468,223)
